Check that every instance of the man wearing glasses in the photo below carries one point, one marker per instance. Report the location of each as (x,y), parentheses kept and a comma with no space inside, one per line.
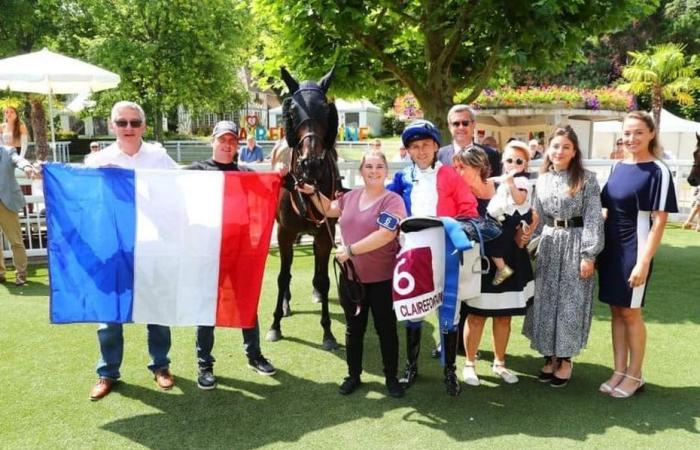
(462,122)
(619,150)
(128,121)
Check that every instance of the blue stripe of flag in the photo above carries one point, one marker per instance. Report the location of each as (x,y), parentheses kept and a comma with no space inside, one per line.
(91,224)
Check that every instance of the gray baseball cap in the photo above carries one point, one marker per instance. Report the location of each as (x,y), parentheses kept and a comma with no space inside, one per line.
(223,127)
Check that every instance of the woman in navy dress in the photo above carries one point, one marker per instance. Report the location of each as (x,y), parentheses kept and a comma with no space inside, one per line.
(636,201)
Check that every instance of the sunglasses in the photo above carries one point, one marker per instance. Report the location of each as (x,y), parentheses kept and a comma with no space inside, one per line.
(517,161)
(123,123)
(464,123)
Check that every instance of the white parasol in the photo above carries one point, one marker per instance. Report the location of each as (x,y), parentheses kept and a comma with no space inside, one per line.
(49,73)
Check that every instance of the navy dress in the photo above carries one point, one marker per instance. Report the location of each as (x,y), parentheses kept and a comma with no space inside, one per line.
(631,194)
(511,297)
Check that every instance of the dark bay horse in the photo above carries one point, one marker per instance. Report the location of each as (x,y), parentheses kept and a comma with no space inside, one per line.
(311,127)
(694,177)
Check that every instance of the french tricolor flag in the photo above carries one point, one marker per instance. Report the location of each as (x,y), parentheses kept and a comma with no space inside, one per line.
(165,247)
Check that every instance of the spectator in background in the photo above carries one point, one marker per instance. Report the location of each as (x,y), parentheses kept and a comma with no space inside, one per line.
(535,149)
(14,132)
(403,155)
(619,151)
(490,141)
(94,148)
(11,202)
(462,122)
(375,145)
(251,153)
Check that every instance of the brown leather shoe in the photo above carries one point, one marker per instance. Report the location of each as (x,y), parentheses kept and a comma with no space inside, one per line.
(164,379)
(101,389)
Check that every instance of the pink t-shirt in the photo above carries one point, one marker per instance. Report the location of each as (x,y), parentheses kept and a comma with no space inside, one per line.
(355,224)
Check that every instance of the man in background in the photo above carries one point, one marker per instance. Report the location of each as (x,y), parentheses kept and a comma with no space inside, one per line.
(462,122)
(251,153)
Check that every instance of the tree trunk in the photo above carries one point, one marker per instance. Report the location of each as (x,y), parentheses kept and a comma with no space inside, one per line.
(657,103)
(158,124)
(38,117)
(435,109)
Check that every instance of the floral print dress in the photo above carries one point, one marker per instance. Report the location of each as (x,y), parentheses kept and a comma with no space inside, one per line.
(559,320)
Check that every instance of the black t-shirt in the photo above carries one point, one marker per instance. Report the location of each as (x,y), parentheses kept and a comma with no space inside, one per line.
(210,164)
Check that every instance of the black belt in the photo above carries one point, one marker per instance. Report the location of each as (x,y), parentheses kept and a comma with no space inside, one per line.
(564,223)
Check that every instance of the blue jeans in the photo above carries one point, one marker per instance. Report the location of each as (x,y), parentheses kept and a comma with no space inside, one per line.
(205,344)
(111,339)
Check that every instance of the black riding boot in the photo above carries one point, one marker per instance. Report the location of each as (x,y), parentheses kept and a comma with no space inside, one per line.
(450,348)
(412,349)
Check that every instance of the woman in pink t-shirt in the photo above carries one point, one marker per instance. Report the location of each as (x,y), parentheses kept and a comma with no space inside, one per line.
(369,218)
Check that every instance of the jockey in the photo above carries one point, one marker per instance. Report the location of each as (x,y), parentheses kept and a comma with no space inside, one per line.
(429,188)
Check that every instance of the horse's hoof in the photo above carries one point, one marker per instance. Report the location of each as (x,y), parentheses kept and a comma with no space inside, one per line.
(273,335)
(330,344)
(286,309)
(316,296)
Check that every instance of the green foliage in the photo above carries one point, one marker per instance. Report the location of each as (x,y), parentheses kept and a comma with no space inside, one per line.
(434,49)
(602,59)
(392,125)
(664,73)
(169,52)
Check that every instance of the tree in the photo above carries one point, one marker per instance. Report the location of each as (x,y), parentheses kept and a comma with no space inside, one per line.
(169,52)
(28,25)
(433,48)
(664,73)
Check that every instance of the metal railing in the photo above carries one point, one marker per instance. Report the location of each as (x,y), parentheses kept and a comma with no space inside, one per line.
(33,221)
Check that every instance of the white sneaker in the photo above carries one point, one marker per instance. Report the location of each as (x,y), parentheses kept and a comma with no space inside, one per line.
(469,375)
(499,369)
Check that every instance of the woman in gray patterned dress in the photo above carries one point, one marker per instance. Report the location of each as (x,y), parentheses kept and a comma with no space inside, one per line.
(571,235)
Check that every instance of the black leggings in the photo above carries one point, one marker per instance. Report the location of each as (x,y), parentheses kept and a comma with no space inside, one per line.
(378,300)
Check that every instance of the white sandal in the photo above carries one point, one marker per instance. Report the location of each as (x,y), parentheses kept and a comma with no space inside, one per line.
(619,393)
(499,368)
(605,388)
(469,374)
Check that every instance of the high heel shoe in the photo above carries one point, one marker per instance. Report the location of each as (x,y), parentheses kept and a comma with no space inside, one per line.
(617,392)
(605,388)
(557,382)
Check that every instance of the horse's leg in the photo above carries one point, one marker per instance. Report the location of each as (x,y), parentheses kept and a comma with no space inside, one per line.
(315,294)
(285,240)
(322,251)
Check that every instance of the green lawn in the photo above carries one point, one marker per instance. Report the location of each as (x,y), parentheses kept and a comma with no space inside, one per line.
(46,373)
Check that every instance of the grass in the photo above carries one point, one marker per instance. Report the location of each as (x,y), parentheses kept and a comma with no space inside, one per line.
(46,373)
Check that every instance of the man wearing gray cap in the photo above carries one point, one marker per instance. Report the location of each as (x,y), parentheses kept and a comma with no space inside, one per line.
(224,151)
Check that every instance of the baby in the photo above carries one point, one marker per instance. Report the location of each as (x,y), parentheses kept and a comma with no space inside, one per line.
(510,205)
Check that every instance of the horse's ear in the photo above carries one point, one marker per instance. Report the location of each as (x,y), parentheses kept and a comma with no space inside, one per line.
(292,84)
(289,132)
(332,131)
(325,82)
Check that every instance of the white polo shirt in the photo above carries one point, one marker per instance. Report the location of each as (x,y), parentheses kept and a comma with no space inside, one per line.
(149,156)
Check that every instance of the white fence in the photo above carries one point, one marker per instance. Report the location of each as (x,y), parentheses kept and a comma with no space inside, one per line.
(33,221)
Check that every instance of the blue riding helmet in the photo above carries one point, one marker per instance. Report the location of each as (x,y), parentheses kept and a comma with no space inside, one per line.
(420,129)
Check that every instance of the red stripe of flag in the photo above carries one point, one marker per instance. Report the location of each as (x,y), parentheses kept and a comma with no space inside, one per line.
(250,202)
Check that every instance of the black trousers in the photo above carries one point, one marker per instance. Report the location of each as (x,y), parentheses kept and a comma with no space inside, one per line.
(377,300)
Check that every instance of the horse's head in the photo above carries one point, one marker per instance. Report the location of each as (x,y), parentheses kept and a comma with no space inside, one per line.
(694,177)
(311,125)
